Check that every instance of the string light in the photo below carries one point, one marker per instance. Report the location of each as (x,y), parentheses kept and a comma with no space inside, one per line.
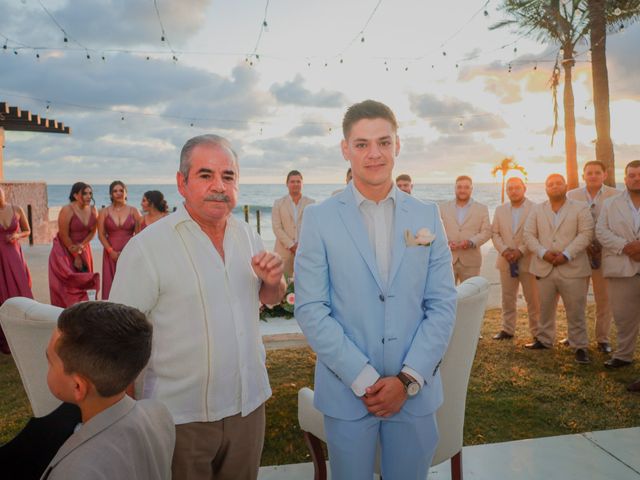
(360,34)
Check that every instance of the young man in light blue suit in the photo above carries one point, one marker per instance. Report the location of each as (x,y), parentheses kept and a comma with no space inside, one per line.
(376,300)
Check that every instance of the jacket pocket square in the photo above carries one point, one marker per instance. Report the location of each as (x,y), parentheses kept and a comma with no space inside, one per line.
(423,238)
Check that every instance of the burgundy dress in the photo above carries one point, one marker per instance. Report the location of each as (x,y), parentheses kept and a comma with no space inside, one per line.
(15,279)
(118,236)
(67,285)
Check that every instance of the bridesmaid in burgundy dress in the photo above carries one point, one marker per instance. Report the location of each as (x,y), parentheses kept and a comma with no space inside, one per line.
(70,261)
(154,207)
(117,223)
(15,279)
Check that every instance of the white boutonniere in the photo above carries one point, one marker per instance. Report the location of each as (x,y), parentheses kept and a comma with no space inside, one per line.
(423,238)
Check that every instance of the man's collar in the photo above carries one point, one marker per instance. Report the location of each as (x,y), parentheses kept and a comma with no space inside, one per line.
(361,198)
(181,215)
(468,204)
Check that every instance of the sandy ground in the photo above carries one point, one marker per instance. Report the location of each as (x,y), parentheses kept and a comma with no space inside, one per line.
(38,255)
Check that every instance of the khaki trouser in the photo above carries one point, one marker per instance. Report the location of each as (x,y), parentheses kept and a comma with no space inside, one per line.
(603,307)
(573,292)
(510,287)
(461,273)
(228,449)
(625,302)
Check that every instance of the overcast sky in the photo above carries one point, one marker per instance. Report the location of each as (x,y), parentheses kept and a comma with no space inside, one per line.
(279,96)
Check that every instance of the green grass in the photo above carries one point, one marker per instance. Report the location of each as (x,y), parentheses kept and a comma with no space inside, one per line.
(514,393)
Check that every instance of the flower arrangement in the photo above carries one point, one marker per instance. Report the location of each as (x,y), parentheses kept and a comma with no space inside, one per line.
(285,307)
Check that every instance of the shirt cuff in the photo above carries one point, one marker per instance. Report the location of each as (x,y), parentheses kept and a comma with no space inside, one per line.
(566,254)
(541,252)
(367,377)
(410,371)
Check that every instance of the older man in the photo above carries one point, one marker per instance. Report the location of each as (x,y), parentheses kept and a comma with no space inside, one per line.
(594,173)
(514,259)
(618,231)
(558,233)
(200,274)
(286,218)
(468,227)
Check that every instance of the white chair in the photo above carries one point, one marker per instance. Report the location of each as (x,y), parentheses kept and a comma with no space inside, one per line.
(455,371)
(28,326)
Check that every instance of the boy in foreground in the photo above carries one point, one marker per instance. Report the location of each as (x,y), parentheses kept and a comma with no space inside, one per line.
(98,349)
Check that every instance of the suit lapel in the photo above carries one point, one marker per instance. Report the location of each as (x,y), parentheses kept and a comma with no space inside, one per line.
(562,214)
(526,206)
(623,210)
(350,216)
(549,215)
(401,223)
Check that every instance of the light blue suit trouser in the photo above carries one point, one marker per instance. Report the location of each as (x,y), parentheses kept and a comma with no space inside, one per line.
(407,446)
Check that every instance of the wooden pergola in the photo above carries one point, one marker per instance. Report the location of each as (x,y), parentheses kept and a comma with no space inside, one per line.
(13,118)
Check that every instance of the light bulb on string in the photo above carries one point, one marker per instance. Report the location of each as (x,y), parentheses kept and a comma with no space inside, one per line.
(535,67)
(457,65)
(486,13)
(103,58)
(148,58)
(162,38)
(622,28)
(4,47)
(341,60)
(461,126)
(265,26)
(326,64)
(65,40)
(444,54)
(515,49)
(509,68)
(191,124)
(617,12)
(406,69)
(88,57)
(38,56)
(15,52)
(362,39)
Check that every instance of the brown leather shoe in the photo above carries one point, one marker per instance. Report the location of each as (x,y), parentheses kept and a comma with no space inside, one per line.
(604,347)
(634,387)
(537,345)
(582,356)
(502,335)
(616,363)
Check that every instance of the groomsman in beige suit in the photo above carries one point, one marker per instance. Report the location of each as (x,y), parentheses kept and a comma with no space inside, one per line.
(514,259)
(594,173)
(618,231)
(467,225)
(558,233)
(286,218)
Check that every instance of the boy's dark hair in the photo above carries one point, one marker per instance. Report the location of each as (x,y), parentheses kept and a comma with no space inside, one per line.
(594,162)
(369,109)
(107,343)
(404,177)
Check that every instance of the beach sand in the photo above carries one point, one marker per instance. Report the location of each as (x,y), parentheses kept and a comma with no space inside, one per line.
(37,258)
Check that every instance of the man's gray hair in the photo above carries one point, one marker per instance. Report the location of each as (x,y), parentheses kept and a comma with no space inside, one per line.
(208,139)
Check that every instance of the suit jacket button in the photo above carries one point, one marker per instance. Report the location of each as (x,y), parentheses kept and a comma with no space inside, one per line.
(381,297)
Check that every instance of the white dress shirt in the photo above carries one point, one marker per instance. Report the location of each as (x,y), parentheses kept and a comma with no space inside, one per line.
(208,360)
(378,219)
(635,212)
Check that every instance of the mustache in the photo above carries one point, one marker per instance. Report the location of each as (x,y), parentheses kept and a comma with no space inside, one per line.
(217,197)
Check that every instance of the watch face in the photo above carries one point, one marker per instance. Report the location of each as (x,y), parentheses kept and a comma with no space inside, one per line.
(413,389)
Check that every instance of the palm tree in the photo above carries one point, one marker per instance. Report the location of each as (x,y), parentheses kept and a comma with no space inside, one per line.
(603,14)
(565,23)
(504,167)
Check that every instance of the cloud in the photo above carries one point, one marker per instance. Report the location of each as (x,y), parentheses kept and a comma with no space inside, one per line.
(309,130)
(294,93)
(105,22)
(451,115)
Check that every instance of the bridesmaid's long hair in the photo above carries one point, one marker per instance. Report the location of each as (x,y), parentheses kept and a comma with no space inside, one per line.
(156,198)
(79,187)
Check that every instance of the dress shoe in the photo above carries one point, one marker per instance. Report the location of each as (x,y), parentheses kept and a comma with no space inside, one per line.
(604,347)
(537,345)
(634,387)
(502,335)
(564,342)
(616,363)
(582,356)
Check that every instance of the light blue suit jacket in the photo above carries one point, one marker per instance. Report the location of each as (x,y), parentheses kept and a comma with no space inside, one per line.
(350,317)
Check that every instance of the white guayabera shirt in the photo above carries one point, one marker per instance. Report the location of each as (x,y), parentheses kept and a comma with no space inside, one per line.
(208,360)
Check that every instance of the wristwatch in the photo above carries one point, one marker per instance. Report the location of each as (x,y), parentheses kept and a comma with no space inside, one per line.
(410,385)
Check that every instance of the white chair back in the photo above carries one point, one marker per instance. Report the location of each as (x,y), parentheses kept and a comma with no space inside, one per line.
(456,366)
(28,326)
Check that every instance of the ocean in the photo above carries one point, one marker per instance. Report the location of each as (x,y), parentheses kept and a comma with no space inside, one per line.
(261,197)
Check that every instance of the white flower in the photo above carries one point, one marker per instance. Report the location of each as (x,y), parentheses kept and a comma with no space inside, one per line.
(424,237)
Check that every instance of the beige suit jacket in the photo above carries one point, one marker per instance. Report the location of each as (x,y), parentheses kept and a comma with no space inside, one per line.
(475,227)
(572,233)
(581,195)
(285,227)
(614,230)
(504,237)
